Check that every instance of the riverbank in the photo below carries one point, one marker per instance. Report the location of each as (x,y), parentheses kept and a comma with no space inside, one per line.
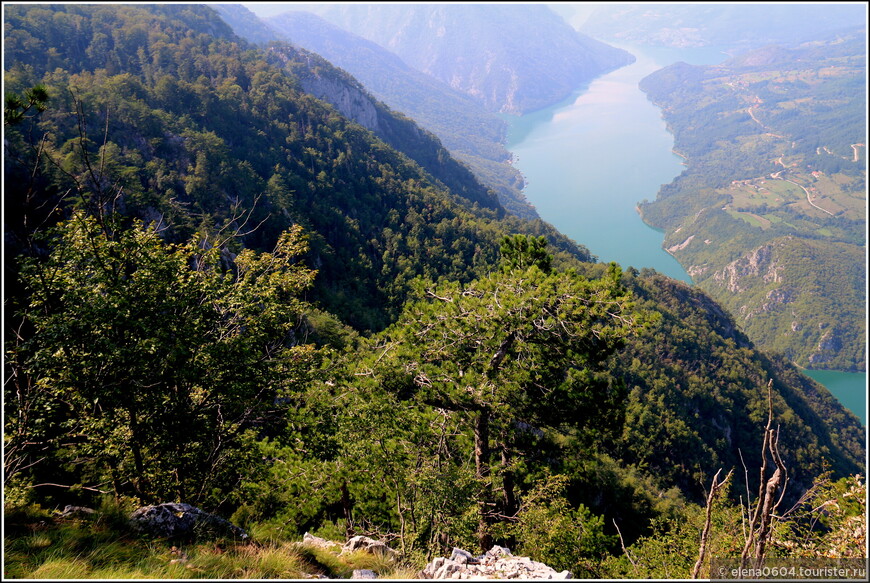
(850,388)
(574,155)
(573,158)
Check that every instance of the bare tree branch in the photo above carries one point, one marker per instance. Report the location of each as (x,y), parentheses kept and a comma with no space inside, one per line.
(715,487)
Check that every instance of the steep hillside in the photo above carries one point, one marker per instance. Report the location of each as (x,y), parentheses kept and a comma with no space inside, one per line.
(203,131)
(473,135)
(770,214)
(512,58)
(696,394)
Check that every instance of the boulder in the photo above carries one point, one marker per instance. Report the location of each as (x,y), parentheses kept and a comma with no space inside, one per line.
(496,563)
(310,540)
(462,557)
(70,511)
(370,545)
(183,521)
(497,551)
(447,569)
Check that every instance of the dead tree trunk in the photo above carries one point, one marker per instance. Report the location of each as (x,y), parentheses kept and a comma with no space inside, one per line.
(481,462)
(715,487)
(761,518)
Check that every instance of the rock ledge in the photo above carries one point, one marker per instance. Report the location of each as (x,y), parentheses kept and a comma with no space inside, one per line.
(497,563)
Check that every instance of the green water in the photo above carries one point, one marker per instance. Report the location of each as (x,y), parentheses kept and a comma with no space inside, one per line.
(590,159)
(850,388)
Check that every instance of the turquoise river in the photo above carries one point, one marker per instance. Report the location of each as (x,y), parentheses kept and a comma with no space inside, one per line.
(590,159)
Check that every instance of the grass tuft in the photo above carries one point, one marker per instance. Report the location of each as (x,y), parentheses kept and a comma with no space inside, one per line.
(103,547)
(62,568)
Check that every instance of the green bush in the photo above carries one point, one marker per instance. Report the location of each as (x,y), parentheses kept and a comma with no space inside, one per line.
(550,530)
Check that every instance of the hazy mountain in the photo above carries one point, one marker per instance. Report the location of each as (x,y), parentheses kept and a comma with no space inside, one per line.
(731,25)
(472,134)
(513,58)
(246,24)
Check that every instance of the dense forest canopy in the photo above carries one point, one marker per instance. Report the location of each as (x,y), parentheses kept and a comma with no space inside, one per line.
(222,291)
(202,113)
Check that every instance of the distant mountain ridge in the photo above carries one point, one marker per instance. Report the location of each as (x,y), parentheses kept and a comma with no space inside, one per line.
(512,58)
(713,24)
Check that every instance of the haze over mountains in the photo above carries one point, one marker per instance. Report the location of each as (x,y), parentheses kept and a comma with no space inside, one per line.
(457,65)
(733,26)
(516,59)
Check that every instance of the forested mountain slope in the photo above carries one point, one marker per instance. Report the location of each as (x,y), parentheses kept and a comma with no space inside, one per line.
(770,214)
(473,135)
(252,304)
(200,123)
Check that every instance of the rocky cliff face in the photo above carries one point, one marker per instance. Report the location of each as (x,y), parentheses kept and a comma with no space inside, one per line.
(320,79)
(790,296)
(758,263)
(350,101)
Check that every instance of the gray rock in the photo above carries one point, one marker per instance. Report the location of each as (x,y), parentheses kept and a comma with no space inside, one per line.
(370,545)
(497,563)
(497,551)
(429,570)
(70,511)
(178,520)
(321,543)
(462,557)
(364,574)
(447,569)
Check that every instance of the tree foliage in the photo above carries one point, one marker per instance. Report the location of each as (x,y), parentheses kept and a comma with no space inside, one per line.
(15,108)
(522,251)
(147,362)
(513,352)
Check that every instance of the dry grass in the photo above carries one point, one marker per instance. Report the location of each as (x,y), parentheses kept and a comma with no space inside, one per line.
(42,547)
